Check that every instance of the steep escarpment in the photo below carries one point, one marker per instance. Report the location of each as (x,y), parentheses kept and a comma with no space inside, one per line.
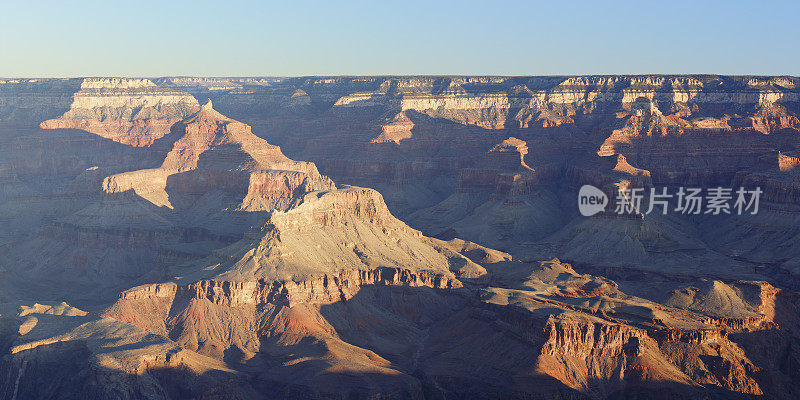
(536,328)
(326,232)
(59,351)
(135,112)
(430,145)
(27,102)
(212,152)
(264,239)
(215,181)
(609,343)
(654,102)
(215,258)
(221,191)
(268,291)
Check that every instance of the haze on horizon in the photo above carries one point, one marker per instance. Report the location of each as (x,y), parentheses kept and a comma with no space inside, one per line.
(252,38)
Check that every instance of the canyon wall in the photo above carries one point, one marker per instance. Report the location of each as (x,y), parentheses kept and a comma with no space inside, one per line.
(395,237)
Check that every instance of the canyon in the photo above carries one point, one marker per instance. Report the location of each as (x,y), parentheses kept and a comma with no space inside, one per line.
(396,238)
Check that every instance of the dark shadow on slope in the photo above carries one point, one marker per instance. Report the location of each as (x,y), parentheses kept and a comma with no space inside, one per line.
(24,115)
(442,344)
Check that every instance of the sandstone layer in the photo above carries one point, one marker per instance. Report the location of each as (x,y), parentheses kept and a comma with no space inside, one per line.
(395,238)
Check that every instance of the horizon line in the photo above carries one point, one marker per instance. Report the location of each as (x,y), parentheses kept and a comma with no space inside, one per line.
(402,76)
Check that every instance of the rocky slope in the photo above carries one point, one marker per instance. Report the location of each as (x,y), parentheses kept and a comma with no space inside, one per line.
(135,112)
(429,144)
(207,264)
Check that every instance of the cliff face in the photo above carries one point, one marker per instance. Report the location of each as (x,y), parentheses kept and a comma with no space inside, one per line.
(434,148)
(674,102)
(212,265)
(218,183)
(210,151)
(294,241)
(603,353)
(135,112)
(27,102)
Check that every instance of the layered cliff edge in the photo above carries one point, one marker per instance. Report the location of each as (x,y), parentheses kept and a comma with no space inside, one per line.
(274,282)
(131,111)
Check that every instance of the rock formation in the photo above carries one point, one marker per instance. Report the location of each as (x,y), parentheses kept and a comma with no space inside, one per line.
(135,112)
(411,238)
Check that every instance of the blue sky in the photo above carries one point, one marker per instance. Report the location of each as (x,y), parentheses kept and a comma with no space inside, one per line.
(243,38)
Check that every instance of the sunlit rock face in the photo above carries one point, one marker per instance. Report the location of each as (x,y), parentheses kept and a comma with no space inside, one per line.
(433,147)
(395,238)
(135,112)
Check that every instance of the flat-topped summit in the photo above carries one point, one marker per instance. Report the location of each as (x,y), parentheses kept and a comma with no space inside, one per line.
(135,112)
(116,83)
